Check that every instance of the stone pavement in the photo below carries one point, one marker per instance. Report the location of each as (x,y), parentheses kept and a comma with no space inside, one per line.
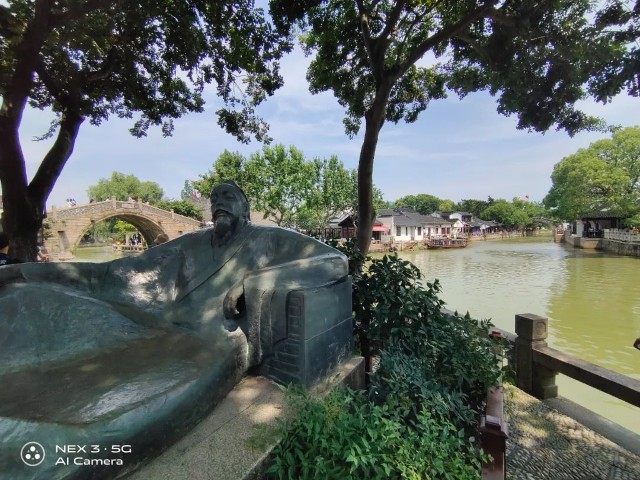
(544,444)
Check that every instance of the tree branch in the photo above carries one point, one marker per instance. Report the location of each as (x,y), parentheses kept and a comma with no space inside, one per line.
(391,21)
(443,34)
(79,10)
(56,158)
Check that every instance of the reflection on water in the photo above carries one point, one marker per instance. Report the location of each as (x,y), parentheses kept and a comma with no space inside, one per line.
(95,254)
(592,300)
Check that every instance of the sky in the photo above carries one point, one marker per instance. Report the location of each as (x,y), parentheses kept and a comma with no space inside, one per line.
(458,149)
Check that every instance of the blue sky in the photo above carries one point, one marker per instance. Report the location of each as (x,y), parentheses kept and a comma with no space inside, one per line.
(457,149)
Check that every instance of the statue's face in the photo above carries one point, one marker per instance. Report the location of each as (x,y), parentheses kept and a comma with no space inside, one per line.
(226,209)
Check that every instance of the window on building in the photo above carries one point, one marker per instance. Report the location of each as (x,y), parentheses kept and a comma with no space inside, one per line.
(419,231)
(398,231)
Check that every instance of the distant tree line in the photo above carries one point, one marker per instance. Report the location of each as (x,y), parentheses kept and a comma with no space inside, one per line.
(518,213)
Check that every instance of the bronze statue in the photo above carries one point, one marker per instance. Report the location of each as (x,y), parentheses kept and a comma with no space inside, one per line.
(136,351)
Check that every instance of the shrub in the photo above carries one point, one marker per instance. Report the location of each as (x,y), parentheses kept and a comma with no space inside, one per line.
(345,436)
(418,418)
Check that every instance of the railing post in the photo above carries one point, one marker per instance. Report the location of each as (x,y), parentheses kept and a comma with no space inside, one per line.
(531,331)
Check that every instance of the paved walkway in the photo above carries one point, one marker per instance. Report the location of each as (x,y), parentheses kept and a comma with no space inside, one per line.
(544,444)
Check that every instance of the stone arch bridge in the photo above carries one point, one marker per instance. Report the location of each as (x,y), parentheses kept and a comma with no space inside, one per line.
(68,225)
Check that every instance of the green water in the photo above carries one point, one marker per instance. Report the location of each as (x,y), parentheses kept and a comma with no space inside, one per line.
(96,254)
(592,300)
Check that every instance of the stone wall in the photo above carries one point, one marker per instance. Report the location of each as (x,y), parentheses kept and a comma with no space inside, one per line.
(621,248)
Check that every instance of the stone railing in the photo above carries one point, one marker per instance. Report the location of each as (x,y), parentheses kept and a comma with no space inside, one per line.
(621,236)
(79,211)
(536,365)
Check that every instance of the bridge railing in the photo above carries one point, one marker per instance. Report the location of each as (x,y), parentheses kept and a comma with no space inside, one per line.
(115,206)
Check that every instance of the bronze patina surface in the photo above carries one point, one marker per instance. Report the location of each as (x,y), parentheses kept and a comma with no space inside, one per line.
(121,358)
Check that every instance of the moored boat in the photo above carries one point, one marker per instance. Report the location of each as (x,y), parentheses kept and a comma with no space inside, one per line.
(434,243)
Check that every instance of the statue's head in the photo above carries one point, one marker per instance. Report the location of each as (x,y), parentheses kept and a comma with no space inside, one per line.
(229,209)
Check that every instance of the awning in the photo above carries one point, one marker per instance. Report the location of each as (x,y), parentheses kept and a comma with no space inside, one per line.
(379,228)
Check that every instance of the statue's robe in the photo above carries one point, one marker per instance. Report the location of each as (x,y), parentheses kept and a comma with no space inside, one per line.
(137,350)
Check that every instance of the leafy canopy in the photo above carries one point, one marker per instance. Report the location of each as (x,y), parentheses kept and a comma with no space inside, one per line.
(122,187)
(286,187)
(515,214)
(538,58)
(606,175)
(147,57)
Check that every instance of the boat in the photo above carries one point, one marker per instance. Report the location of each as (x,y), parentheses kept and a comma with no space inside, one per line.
(434,243)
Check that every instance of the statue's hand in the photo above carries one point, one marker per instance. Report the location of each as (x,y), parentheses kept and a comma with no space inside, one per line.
(230,304)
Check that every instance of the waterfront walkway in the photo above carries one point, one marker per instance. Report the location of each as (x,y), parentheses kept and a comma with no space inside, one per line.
(544,444)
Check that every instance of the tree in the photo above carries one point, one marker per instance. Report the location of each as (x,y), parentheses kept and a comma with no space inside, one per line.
(278,182)
(537,57)
(181,207)
(228,166)
(606,175)
(446,206)
(474,207)
(335,191)
(122,187)
(188,193)
(423,203)
(89,59)
(506,214)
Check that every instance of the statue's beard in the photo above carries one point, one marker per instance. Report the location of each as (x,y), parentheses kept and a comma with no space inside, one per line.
(225,226)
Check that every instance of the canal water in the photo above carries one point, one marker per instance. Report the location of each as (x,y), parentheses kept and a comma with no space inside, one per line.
(592,300)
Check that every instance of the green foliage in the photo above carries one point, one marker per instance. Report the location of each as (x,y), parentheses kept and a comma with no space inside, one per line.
(388,299)
(345,436)
(446,206)
(181,207)
(474,207)
(447,361)
(279,180)
(122,187)
(423,203)
(188,192)
(335,191)
(228,166)
(151,57)
(288,188)
(606,175)
(512,215)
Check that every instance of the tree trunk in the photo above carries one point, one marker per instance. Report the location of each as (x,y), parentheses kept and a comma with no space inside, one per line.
(25,205)
(374,118)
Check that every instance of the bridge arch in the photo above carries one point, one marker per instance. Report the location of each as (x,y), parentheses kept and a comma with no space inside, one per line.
(67,226)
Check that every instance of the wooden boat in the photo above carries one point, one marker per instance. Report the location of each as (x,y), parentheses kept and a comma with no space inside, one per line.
(434,243)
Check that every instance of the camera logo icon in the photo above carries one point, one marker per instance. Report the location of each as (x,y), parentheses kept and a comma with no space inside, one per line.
(32,454)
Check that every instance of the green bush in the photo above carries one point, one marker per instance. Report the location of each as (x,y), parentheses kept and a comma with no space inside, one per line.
(345,436)
(448,362)
(418,418)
